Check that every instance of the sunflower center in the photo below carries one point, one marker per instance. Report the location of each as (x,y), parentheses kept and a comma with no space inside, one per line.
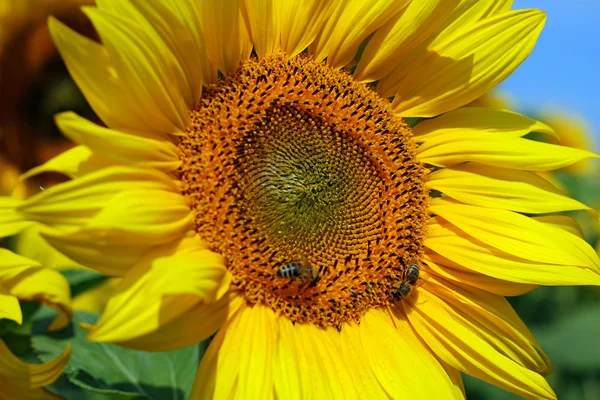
(309,185)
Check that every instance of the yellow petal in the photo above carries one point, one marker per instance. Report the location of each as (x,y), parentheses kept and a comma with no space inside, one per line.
(147,67)
(197,324)
(456,378)
(310,362)
(465,345)
(263,19)
(399,36)
(227,40)
(452,271)
(467,64)
(507,189)
(457,18)
(11,220)
(453,148)
(322,370)
(24,381)
(76,201)
(177,25)
(44,285)
(364,379)
(477,120)
(9,306)
(30,244)
(73,163)
(107,92)
(12,265)
(394,352)
(350,24)
(131,224)
(518,235)
(190,14)
(482,257)
(122,147)
(286,365)
(238,362)
(153,293)
(301,21)
(89,249)
(563,222)
(493,318)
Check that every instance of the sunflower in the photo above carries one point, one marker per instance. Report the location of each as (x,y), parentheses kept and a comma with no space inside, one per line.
(573,131)
(21,278)
(301,180)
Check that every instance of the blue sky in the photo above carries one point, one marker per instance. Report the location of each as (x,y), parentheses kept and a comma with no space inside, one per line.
(563,70)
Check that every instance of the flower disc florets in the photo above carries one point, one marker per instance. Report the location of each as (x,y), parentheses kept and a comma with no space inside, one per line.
(308,184)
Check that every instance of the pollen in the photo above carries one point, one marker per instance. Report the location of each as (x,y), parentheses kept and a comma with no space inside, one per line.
(289,165)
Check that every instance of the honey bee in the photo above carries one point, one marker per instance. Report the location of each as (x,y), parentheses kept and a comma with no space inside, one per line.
(297,270)
(409,280)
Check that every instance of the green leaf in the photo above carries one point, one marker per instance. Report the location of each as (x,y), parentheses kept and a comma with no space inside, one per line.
(63,387)
(572,342)
(119,372)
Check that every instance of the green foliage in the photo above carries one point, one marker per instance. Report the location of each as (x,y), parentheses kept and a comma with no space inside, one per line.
(116,372)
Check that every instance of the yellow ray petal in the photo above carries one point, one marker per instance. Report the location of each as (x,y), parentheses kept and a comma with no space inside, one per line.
(518,235)
(9,306)
(481,257)
(255,379)
(453,148)
(492,318)
(148,69)
(90,249)
(153,293)
(44,285)
(400,35)
(563,222)
(286,366)
(106,91)
(477,120)
(467,64)
(503,188)
(394,353)
(364,380)
(130,224)
(24,381)
(12,265)
(263,20)
(456,378)
(458,342)
(73,163)
(177,25)
(322,372)
(464,14)
(76,201)
(227,40)
(239,360)
(30,244)
(452,271)
(121,147)
(197,324)
(11,220)
(301,21)
(350,24)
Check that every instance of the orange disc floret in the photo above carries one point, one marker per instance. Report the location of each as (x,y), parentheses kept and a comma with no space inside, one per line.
(289,162)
